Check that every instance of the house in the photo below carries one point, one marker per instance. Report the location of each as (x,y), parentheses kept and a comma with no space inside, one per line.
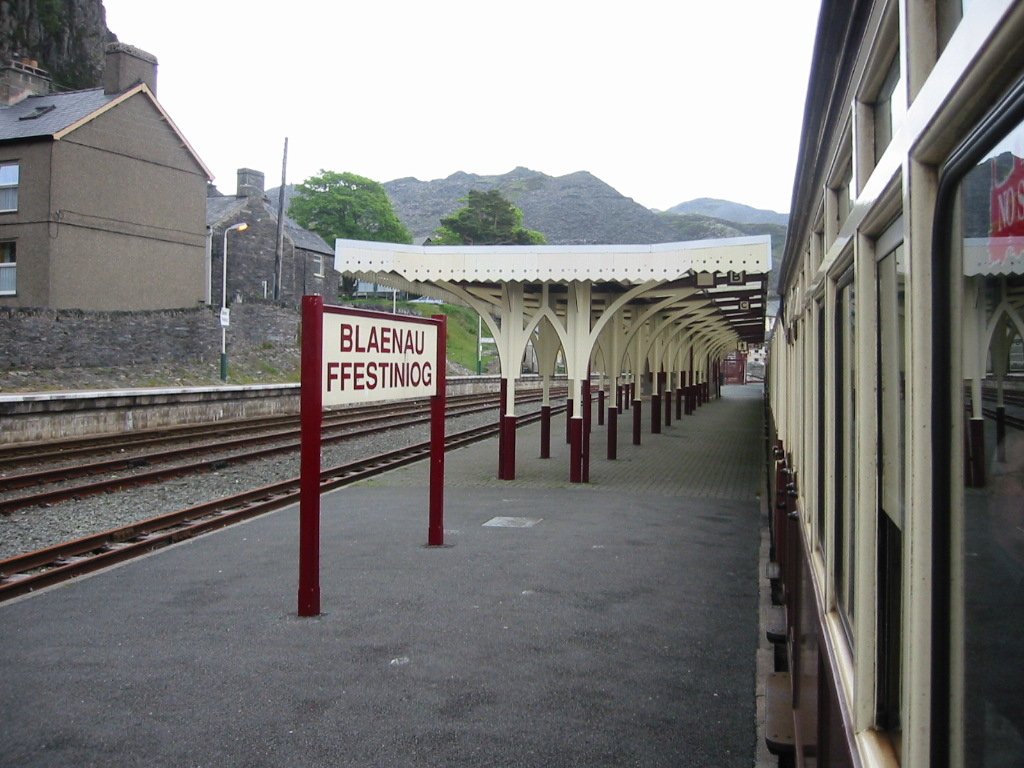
(102,199)
(306,260)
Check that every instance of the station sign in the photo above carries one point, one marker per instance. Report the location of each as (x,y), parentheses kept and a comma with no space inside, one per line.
(372,356)
(352,356)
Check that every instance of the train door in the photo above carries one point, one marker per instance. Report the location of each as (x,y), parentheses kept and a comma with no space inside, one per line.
(978,682)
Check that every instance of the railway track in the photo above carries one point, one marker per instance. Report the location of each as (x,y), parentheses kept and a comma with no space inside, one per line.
(267,438)
(69,448)
(1016,422)
(32,571)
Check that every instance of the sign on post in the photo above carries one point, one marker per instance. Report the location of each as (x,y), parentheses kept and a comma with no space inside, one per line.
(354,356)
(377,356)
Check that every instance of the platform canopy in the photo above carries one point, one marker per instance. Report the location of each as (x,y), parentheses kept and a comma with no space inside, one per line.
(665,313)
(716,285)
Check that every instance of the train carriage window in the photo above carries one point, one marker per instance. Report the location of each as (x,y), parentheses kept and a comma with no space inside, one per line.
(845,447)
(887,113)
(822,433)
(844,196)
(948,14)
(891,394)
(986,520)
(892,275)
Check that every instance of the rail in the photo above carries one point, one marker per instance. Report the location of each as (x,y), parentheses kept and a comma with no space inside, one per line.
(35,570)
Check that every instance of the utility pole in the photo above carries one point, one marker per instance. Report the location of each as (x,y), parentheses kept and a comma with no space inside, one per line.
(279,253)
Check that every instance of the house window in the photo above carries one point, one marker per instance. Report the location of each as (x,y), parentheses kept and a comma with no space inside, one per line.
(8,269)
(318,264)
(8,187)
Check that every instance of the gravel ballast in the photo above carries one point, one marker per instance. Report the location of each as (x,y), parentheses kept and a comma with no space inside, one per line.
(34,528)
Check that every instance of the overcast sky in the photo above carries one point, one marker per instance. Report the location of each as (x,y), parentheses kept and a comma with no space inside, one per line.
(665,101)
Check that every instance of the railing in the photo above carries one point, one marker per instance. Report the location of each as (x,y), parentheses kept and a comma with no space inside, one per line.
(8,279)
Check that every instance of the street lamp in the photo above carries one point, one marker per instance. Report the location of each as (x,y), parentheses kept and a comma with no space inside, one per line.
(224,316)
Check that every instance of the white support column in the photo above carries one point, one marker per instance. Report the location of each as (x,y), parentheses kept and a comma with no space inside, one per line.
(547,345)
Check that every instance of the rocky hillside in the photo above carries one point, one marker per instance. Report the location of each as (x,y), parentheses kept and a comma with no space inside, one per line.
(729,211)
(574,209)
(577,208)
(66,37)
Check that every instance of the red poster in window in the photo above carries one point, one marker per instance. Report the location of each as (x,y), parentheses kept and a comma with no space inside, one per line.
(1006,206)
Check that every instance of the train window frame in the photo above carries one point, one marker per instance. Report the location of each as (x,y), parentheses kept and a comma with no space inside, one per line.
(841,537)
(886,109)
(890,245)
(821,434)
(947,482)
(881,93)
(948,15)
(839,188)
(891,353)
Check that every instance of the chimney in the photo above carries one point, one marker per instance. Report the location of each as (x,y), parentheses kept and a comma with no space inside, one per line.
(127,66)
(21,79)
(250,183)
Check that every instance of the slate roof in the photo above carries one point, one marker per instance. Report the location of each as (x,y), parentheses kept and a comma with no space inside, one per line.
(223,207)
(52,114)
(303,238)
(17,121)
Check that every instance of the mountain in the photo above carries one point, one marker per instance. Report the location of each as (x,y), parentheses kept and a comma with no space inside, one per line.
(575,209)
(729,211)
(579,208)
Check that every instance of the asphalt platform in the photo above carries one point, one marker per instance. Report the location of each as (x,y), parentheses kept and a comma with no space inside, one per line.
(607,624)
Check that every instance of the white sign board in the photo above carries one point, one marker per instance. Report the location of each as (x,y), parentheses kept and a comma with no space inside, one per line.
(369,357)
(225,317)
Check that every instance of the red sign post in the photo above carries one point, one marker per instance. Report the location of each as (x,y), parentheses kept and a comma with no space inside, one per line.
(351,356)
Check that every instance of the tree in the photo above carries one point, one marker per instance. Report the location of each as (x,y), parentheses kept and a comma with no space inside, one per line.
(486,219)
(348,206)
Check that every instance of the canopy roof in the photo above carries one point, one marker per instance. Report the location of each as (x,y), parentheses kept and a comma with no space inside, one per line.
(722,281)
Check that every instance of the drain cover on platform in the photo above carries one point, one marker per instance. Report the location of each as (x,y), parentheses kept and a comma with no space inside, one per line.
(513,522)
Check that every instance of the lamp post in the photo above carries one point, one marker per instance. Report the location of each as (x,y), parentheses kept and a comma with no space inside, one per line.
(224,302)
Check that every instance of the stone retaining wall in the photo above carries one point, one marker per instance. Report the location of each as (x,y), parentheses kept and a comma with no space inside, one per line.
(43,339)
(44,417)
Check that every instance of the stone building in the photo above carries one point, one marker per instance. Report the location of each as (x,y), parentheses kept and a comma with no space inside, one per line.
(307,263)
(101,196)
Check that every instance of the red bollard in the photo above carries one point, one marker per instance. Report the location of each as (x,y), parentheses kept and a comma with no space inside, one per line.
(587,419)
(576,451)
(502,392)
(636,422)
(613,434)
(545,431)
(508,440)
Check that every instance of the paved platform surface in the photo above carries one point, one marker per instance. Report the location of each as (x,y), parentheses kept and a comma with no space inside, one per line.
(620,629)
